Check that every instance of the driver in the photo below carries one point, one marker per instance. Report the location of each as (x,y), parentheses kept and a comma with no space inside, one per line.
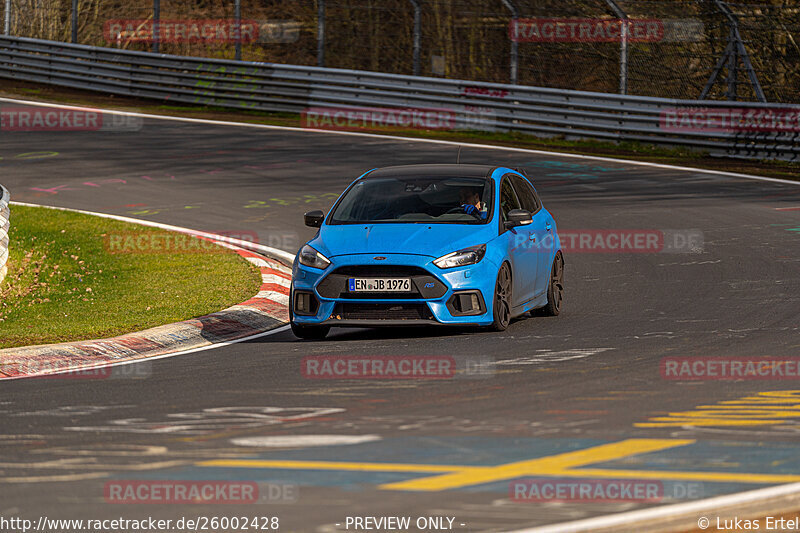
(471,202)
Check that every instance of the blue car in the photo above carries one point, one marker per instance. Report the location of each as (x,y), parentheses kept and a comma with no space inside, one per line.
(461,245)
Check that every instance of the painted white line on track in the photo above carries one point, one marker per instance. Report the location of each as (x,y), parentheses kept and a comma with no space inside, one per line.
(407,139)
(303,441)
(280,329)
(710,506)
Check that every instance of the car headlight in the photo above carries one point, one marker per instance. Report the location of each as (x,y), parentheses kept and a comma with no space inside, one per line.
(467,256)
(312,258)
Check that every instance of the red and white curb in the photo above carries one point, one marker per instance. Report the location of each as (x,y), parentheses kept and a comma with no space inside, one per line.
(266,312)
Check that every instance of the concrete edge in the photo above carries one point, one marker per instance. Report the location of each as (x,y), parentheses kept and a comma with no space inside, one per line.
(265,312)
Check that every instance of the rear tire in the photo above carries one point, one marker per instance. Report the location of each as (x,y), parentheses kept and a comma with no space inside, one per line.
(555,290)
(501,306)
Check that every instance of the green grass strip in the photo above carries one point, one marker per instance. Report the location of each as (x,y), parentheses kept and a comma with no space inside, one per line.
(76,277)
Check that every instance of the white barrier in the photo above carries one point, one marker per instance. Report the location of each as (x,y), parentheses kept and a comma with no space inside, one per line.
(5,225)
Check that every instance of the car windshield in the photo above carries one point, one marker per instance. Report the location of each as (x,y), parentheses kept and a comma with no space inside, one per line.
(449,200)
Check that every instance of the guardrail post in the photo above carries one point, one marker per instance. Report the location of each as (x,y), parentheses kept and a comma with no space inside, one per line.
(238,16)
(7,24)
(623,45)
(320,33)
(5,225)
(74,21)
(156,29)
(417,35)
(514,44)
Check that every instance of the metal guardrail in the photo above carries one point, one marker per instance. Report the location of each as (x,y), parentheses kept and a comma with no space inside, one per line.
(5,225)
(472,105)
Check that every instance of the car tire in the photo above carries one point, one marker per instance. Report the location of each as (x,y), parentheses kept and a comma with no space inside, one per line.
(501,304)
(555,290)
(310,332)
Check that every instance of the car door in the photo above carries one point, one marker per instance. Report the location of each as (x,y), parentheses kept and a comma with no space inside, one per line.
(520,238)
(539,232)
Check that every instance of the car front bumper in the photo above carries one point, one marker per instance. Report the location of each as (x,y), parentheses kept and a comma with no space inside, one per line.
(456,296)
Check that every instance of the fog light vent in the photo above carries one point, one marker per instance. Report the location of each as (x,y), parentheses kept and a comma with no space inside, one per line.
(305,303)
(466,303)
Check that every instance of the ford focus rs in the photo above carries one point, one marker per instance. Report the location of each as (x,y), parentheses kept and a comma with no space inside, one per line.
(428,244)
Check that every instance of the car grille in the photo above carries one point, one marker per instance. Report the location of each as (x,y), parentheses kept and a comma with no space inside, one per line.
(381,271)
(394,311)
(423,284)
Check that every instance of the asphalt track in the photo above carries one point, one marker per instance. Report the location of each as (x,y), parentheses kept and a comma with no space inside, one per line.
(588,379)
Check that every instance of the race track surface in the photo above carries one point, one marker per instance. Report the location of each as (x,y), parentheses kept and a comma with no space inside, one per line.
(589,379)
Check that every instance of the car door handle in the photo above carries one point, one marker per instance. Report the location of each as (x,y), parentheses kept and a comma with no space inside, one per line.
(547,227)
(532,237)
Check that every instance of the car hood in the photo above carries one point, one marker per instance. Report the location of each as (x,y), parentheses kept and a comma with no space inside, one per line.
(433,240)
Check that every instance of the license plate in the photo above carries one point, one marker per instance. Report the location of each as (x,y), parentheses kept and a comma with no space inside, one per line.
(379,284)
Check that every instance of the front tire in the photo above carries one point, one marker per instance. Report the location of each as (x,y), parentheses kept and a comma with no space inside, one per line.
(555,291)
(501,307)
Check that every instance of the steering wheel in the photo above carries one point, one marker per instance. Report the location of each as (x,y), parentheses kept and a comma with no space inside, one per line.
(460,210)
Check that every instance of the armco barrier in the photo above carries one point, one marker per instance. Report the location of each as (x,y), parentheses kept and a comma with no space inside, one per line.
(5,225)
(739,129)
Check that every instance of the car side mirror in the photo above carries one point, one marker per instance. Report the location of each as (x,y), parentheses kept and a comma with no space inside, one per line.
(314,219)
(518,217)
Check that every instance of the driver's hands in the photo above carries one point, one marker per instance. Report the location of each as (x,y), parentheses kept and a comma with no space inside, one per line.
(469,209)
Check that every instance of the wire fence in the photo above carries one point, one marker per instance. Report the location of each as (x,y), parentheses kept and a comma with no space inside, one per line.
(684,49)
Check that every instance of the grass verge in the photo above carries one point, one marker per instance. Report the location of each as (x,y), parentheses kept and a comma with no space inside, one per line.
(68,280)
(634,151)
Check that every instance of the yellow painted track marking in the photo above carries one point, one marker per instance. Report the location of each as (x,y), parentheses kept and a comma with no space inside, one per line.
(553,465)
(565,465)
(763,409)
(721,477)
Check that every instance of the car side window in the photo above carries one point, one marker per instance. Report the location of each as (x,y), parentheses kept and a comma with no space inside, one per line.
(527,196)
(508,199)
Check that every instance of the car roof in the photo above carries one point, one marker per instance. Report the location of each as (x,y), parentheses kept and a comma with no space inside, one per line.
(456,171)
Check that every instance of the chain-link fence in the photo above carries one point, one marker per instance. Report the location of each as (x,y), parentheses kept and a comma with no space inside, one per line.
(669,48)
